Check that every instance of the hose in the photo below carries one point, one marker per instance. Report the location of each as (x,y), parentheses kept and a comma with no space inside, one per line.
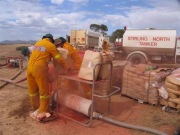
(6,81)
(2,85)
(14,82)
(21,80)
(69,102)
(123,124)
(3,64)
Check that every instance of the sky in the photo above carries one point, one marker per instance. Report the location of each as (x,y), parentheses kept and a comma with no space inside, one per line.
(32,19)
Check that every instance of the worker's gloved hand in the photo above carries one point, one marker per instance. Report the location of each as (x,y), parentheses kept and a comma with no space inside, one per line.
(52,75)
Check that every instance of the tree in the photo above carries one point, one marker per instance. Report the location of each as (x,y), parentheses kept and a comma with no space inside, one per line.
(99,28)
(116,34)
(95,27)
(103,29)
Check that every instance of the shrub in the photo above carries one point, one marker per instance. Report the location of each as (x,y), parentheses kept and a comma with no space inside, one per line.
(19,48)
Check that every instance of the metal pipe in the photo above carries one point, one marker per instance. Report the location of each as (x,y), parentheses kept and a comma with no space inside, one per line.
(126,125)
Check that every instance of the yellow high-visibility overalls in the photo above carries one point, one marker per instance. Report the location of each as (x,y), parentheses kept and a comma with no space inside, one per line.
(37,73)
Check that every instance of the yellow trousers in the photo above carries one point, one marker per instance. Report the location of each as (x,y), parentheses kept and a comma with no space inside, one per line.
(38,87)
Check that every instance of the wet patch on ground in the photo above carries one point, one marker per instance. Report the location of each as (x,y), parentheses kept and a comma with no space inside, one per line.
(22,111)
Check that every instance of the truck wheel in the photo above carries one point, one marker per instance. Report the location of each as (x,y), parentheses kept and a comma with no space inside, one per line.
(137,59)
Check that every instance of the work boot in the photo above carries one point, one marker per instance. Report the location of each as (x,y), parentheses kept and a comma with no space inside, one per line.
(39,116)
(43,115)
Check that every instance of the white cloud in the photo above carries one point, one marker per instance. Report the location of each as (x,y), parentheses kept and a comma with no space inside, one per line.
(32,19)
(73,1)
(162,16)
(79,1)
(108,5)
(57,1)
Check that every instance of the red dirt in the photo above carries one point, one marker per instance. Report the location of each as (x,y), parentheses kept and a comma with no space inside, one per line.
(15,119)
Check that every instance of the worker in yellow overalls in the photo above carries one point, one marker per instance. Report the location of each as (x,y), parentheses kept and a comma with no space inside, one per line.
(72,52)
(37,75)
(105,46)
(76,65)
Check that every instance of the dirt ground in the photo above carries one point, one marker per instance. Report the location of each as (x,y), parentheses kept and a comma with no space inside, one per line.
(15,107)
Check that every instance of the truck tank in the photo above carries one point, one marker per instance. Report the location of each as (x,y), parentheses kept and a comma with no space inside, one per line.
(150,41)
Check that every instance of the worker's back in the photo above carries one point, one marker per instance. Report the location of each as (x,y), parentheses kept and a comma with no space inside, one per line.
(73,53)
(42,53)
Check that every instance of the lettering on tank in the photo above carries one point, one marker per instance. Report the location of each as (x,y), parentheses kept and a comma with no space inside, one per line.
(149,41)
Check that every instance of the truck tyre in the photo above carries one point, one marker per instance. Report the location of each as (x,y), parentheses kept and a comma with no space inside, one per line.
(137,59)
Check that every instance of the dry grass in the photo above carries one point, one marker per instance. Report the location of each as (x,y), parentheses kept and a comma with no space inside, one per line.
(10,50)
